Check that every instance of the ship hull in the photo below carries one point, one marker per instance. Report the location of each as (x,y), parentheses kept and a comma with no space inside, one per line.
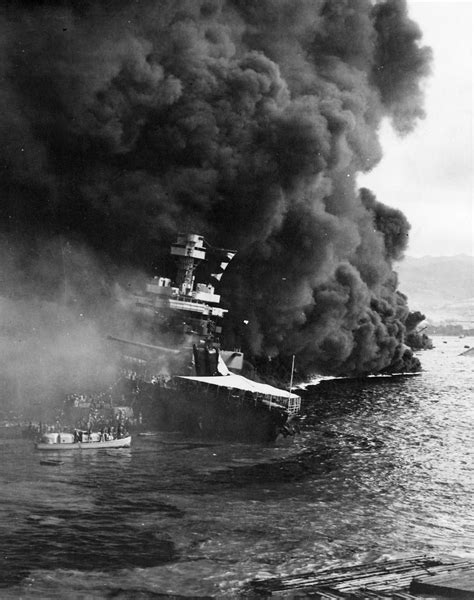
(212,415)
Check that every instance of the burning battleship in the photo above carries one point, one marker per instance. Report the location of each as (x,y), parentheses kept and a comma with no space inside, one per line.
(252,121)
(189,382)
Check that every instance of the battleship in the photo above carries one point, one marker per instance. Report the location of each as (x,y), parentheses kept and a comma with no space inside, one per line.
(186,381)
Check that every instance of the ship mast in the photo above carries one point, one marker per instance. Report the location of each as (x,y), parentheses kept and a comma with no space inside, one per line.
(189,252)
(291,378)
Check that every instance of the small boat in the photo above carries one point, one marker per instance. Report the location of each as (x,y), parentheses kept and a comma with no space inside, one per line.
(80,441)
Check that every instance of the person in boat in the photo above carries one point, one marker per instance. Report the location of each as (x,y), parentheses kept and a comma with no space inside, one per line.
(89,427)
(119,421)
(105,433)
(120,431)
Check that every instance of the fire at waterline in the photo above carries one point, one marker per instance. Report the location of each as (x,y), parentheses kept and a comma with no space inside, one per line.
(245,123)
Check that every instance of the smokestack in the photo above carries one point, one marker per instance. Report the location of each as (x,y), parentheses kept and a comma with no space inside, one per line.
(248,120)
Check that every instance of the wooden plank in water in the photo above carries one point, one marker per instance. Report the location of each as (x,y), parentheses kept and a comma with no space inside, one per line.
(375,580)
(355,574)
(455,584)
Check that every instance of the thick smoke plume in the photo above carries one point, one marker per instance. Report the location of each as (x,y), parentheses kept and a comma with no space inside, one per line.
(55,303)
(244,121)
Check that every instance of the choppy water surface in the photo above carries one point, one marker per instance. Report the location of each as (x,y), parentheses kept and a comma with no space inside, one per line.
(383,468)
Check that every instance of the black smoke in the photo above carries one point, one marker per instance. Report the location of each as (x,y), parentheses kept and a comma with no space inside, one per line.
(244,121)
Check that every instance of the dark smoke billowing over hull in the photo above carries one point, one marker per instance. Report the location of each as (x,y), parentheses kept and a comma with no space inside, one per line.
(244,121)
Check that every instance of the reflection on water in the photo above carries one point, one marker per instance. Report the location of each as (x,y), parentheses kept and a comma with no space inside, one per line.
(381,468)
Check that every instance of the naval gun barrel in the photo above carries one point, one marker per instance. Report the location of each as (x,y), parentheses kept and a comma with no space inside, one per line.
(143,345)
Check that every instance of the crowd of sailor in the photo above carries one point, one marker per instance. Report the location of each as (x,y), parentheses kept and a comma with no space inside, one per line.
(110,428)
(104,434)
(145,375)
(100,400)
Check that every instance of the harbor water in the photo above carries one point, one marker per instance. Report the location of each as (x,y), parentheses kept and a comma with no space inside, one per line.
(383,468)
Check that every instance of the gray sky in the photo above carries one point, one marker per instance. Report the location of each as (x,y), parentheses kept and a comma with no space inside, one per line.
(428,175)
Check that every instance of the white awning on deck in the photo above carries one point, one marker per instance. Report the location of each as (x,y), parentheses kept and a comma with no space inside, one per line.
(242,383)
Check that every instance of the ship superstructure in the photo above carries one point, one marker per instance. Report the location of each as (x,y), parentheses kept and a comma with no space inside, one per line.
(186,311)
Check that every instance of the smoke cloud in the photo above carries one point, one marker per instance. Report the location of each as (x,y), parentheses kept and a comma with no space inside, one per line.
(246,122)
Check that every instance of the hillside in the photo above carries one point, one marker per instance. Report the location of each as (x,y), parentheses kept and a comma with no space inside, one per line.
(441,287)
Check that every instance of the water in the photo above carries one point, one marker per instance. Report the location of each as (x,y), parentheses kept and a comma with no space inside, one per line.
(382,469)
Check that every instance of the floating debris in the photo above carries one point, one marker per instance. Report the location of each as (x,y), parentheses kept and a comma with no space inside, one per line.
(398,578)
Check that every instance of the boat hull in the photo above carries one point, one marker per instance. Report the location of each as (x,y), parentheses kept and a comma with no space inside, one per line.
(117,443)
